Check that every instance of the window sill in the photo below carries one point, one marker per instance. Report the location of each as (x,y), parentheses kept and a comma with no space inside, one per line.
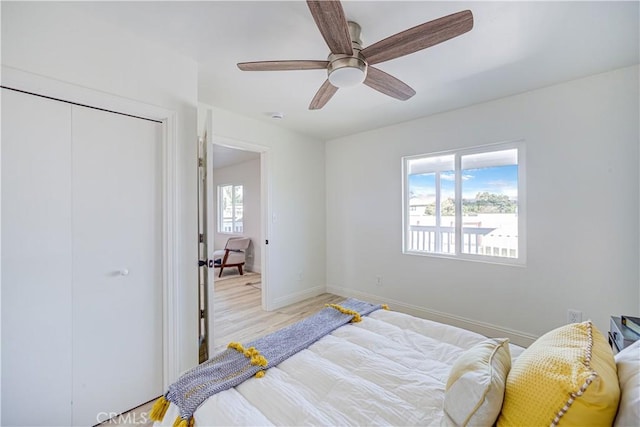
(509,262)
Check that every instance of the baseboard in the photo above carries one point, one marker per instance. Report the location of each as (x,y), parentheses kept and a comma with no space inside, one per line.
(487,329)
(296,297)
(253,268)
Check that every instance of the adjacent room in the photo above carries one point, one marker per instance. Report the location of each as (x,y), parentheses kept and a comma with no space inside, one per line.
(237,281)
(365,209)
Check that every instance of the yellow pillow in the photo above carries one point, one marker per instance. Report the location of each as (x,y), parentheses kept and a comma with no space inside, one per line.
(567,377)
(475,388)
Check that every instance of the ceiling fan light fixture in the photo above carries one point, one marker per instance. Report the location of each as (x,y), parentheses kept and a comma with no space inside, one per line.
(347,71)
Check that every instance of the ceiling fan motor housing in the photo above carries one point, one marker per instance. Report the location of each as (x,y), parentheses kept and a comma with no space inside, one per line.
(348,70)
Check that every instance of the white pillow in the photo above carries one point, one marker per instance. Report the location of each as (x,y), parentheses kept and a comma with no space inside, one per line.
(628,364)
(475,388)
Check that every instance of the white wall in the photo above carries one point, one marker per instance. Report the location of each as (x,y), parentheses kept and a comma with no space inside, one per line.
(246,174)
(581,141)
(53,40)
(295,256)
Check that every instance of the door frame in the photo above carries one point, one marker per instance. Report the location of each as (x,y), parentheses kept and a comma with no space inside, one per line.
(44,86)
(265,214)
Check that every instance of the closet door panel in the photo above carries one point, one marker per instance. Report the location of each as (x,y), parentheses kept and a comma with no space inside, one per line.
(117,282)
(36,261)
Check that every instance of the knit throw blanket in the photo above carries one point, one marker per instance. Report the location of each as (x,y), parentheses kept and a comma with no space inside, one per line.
(239,363)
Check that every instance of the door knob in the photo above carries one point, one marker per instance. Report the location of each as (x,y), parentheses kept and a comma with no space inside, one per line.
(205,263)
(124,272)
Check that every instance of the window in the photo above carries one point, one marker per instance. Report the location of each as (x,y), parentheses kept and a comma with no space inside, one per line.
(466,203)
(230,209)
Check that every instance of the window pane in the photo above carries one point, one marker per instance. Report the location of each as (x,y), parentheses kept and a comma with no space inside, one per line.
(238,208)
(422,212)
(226,209)
(490,203)
(431,187)
(230,209)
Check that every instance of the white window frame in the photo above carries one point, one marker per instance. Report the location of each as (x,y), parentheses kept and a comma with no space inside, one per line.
(233,209)
(520,260)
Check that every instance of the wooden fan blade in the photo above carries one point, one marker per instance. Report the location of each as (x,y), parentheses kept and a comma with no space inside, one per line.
(332,24)
(387,84)
(282,65)
(324,94)
(420,37)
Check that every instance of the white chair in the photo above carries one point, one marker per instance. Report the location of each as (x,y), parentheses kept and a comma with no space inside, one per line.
(233,254)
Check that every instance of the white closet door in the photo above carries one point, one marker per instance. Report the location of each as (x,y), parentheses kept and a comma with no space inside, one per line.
(36,261)
(117,268)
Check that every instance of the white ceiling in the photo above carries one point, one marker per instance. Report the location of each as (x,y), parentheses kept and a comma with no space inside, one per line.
(514,47)
(226,156)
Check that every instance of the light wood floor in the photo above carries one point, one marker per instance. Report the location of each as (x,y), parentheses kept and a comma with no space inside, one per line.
(238,316)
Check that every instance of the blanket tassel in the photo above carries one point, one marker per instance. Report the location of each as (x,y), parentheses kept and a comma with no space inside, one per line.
(341,309)
(181,422)
(256,359)
(159,409)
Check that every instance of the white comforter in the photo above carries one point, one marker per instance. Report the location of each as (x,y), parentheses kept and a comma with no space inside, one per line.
(388,369)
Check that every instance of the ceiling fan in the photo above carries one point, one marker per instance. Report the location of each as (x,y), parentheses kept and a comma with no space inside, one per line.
(349,64)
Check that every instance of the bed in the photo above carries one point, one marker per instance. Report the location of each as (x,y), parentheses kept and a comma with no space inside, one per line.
(391,368)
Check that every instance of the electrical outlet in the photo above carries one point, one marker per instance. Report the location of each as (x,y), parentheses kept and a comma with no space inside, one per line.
(378,280)
(574,316)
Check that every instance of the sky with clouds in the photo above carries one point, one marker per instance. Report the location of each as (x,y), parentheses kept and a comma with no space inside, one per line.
(496,180)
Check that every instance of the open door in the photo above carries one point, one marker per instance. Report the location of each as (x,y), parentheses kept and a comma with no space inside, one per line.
(205,243)
(206,235)
(203,259)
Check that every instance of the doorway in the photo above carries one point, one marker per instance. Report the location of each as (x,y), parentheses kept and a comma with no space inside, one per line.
(237,169)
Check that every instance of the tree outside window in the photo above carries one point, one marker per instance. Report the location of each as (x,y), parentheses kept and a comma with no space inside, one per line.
(230,209)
